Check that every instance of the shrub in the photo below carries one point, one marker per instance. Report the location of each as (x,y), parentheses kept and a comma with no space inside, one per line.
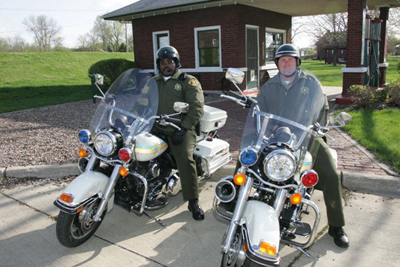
(380,96)
(361,95)
(111,69)
(368,97)
(394,93)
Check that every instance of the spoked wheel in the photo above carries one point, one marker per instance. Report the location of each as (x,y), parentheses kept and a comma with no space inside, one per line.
(75,229)
(230,258)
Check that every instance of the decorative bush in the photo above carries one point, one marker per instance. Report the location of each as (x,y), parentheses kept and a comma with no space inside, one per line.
(361,95)
(394,93)
(111,69)
(368,97)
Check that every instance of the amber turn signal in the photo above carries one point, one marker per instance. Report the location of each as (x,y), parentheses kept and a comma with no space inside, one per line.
(66,197)
(82,153)
(296,198)
(267,248)
(123,171)
(239,178)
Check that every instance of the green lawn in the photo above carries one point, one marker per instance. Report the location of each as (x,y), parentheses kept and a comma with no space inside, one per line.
(330,75)
(31,80)
(378,131)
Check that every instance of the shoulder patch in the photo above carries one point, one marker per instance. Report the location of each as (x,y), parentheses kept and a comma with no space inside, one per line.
(193,81)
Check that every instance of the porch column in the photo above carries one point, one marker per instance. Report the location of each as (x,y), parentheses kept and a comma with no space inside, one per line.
(354,72)
(384,16)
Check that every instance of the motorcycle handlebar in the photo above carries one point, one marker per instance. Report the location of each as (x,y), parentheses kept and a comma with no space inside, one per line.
(244,101)
(165,120)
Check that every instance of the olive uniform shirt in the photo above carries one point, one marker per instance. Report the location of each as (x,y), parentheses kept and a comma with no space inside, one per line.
(180,87)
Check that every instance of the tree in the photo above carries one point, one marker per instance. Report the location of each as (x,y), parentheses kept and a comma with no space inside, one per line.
(102,30)
(46,31)
(4,45)
(330,31)
(394,22)
(299,26)
(117,33)
(393,33)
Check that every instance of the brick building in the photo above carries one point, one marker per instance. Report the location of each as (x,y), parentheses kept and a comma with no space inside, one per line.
(214,35)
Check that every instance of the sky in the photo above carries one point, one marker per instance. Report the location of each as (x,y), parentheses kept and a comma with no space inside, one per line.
(76,17)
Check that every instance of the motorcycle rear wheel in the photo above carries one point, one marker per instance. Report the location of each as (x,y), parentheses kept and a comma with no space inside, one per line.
(229,259)
(75,229)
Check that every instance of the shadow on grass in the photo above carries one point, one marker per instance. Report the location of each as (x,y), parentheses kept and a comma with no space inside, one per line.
(21,98)
(38,108)
(370,133)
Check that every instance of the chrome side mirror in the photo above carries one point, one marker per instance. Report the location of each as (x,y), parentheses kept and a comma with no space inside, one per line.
(181,107)
(343,118)
(99,79)
(234,75)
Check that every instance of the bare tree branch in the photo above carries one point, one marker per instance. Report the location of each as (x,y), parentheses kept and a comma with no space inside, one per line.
(45,30)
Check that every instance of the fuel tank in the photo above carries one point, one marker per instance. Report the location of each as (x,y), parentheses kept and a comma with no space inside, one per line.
(148,147)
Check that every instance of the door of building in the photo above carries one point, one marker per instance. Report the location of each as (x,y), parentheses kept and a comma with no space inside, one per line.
(252,57)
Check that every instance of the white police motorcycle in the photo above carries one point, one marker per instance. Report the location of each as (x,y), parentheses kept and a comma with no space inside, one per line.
(270,192)
(122,162)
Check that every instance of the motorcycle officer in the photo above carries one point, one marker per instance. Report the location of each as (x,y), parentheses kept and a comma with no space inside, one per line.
(280,95)
(174,85)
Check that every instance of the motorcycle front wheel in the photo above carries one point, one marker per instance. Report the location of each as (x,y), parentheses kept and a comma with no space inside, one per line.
(75,229)
(230,258)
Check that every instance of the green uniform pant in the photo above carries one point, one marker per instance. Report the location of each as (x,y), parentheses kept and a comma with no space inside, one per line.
(183,154)
(329,183)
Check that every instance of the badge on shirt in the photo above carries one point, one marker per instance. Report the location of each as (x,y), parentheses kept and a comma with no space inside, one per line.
(193,82)
(178,87)
(304,90)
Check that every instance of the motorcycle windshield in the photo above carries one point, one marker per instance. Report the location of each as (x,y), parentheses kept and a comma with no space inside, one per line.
(283,123)
(129,106)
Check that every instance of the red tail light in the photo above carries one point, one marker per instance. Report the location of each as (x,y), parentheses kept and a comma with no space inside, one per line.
(125,154)
(309,178)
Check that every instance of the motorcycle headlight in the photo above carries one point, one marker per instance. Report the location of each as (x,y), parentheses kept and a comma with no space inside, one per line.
(105,143)
(248,156)
(279,165)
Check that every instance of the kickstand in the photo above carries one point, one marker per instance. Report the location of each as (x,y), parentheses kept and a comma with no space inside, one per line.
(155,219)
(307,254)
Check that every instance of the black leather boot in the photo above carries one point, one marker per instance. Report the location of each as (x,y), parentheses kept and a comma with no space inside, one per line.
(197,212)
(339,236)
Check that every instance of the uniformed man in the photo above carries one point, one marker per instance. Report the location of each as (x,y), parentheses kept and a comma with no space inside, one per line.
(286,95)
(173,85)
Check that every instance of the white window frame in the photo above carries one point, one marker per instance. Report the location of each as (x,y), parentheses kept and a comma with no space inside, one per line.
(257,28)
(197,56)
(155,49)
(273,30)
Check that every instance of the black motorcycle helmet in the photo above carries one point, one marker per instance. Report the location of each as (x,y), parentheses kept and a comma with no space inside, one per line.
(287,50)
(168,52)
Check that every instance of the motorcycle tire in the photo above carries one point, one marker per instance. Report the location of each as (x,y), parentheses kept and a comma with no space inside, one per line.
(229,259)
(249,263)
(75,229)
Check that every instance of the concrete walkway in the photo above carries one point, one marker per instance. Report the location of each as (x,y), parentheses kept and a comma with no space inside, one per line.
(28,234)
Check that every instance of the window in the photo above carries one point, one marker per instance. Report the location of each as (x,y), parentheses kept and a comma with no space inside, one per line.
(160,39)
(208,47)
(273,39)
